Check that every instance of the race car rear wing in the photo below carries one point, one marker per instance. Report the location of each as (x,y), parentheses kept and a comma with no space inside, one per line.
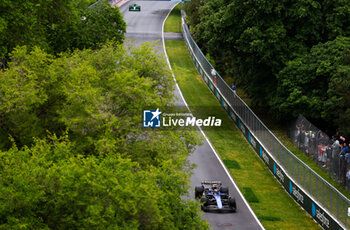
(211,182)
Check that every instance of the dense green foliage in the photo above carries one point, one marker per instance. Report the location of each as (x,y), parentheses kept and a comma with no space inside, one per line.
(73,154)
(317,84)
(255,41)
(91,93)
(56,26)
(50,186)
(88,163)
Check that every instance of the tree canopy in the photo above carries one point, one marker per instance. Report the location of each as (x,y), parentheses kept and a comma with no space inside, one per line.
(317,85)
(51,186)
(74,154)
(57,26)
(94,94)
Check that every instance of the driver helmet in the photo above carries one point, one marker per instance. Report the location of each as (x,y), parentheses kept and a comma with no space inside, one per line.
(215,186)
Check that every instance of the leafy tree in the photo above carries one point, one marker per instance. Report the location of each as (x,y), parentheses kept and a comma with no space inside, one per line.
(254,40)
(56,26)
(97,25)
(50,186)
(19,27)
(104,171)
(317,85)
(98,95)
(191,9)
(23,96)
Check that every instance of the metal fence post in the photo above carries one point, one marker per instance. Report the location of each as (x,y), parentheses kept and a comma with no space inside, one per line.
(338,206)
(298,174)
(330,199)
(310,188)
(316,188)
(304,176)
(293,167)
(324,199)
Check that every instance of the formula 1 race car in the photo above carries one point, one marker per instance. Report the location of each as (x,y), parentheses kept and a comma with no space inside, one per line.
(134,7)
(214,197)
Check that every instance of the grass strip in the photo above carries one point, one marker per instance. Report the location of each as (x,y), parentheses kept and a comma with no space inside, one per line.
(173,24)
(250,195)
(231,164)
(270,218)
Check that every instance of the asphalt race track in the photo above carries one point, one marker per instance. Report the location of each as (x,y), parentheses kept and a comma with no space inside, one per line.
(147,26)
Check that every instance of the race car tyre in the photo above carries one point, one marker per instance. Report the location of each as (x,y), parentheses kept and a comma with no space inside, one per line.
(198,191)
(224,189)
(204,201)
(232,203)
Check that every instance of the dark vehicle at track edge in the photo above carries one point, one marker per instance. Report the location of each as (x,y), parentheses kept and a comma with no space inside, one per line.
(134,7)
(215,197)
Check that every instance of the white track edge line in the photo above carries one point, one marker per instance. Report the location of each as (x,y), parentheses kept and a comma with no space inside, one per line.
(216,154)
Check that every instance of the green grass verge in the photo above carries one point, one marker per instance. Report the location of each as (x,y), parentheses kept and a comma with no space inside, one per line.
(231,164)
(173,24)
(250,195)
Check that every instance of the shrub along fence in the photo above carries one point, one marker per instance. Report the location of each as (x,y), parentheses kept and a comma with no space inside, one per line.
(320,199)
